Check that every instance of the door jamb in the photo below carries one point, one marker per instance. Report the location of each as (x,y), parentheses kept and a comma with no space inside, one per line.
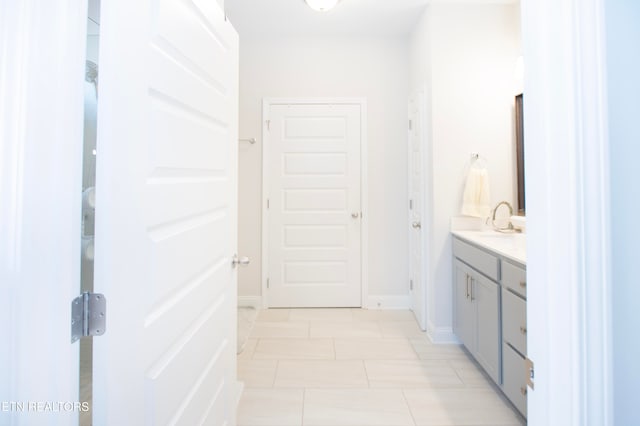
(364,219)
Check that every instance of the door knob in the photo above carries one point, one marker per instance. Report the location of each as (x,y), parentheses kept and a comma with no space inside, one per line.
(355,215)
(241,261)
(416,225)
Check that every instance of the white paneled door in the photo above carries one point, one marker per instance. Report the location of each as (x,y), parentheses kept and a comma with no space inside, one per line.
(417,226)
(314,215)
(166,214)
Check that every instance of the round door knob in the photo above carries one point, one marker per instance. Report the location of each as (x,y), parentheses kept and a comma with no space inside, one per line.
(355,215)
(416,225)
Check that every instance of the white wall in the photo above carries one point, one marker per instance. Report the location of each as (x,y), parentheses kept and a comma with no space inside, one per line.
(623,68)
(374,68)
(465,55)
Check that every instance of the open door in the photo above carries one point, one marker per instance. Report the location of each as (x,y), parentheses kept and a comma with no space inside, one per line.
(417,223)
(166,214)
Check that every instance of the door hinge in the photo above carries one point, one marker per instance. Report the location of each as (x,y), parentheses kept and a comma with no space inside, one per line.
(268,124)
(267,282)
(410,204)
(88,316)
(267,203)
(410,125)
(530,372)
(410,284)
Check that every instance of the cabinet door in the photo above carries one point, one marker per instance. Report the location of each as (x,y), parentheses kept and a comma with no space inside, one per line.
(464,310)
(514,321)
(515,386)
(485,295)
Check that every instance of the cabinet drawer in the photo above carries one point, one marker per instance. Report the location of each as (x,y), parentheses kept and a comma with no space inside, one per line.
(514,321)
(514,277)
(514,376)
(478,259)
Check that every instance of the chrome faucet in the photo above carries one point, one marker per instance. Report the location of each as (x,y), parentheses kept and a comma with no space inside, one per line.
(509,227)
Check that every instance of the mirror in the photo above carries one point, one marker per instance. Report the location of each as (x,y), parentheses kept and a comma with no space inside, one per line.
(520,154)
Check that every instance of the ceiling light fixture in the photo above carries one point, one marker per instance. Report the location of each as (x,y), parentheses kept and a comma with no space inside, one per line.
(322,5)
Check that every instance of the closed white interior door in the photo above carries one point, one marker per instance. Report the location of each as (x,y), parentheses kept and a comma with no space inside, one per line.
(166,214)
(314,216)
(416,206)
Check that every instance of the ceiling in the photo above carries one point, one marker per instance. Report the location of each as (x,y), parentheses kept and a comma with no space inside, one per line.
(269,18)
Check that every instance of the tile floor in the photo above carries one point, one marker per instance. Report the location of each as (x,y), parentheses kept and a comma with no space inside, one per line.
(354,367)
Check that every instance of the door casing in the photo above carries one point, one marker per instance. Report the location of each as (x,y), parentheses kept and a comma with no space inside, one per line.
(364,220)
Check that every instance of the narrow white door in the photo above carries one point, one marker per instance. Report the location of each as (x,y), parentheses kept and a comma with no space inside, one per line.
(314,216)
(166,214)
(416,214)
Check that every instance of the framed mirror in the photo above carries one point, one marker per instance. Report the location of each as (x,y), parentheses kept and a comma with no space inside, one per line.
(520,154)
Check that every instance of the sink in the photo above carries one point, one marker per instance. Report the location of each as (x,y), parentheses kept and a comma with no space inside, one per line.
(514,238)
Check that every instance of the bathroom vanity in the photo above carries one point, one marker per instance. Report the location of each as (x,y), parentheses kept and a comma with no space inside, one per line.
(489,306)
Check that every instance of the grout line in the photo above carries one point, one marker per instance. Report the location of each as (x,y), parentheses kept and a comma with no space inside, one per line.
(304,399)
(275,374)
(255,348)
(455,370)
(335,355)
(406,401)
(366,373)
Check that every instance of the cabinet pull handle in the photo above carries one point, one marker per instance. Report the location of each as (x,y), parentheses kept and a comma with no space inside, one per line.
(467,288)
(471,292)
(523,330)
(523,391)
(523,284)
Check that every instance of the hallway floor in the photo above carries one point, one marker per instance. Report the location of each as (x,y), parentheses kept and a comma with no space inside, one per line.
(355,367)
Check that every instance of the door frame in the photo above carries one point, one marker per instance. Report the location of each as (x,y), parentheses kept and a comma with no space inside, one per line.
(364,220)
(567,170)
(41,139)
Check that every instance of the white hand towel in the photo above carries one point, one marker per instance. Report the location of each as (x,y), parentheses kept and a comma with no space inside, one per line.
(476,198)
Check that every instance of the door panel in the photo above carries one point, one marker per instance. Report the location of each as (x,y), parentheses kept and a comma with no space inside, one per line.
(166,214)
(313,166)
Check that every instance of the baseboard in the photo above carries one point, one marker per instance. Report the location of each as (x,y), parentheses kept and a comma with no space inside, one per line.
(250,301)
(441,334)
(388,302)
(373,302)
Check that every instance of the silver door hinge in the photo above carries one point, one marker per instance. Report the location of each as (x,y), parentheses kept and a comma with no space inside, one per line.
(267,282)
(410,284)
(88,316)
(410,125)
(267,203)
(410,204)
(530,372)
(268,124)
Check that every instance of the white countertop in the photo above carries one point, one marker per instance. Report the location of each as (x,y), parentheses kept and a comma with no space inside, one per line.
(509,245)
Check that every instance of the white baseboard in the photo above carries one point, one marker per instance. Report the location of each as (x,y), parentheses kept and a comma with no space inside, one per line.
(373,302)
(388,302)
(441,334)
(250,301)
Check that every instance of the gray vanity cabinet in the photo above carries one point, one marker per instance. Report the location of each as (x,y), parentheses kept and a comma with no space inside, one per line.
(490,316)
(476,308)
